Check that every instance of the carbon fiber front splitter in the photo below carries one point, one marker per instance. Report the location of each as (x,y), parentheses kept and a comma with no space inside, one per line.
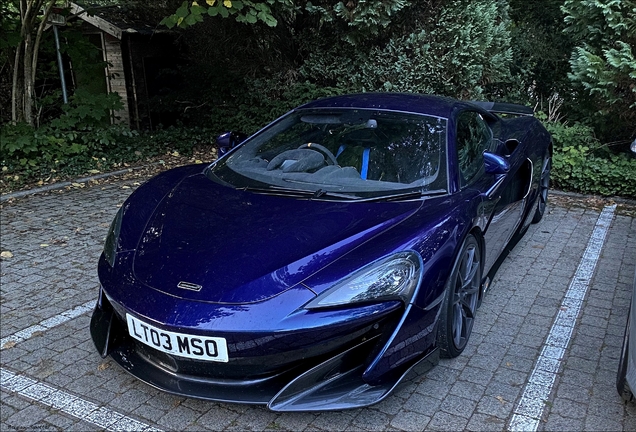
(333,384)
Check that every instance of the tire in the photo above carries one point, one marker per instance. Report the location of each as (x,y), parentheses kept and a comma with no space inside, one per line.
(544,187)
(461,300)
(621,382)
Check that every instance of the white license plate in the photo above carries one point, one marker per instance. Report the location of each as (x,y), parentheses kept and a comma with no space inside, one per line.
(179,344)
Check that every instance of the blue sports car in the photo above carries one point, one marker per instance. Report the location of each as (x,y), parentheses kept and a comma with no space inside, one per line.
(317,262)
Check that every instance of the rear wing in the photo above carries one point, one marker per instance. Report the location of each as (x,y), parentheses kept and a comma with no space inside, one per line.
(505,108)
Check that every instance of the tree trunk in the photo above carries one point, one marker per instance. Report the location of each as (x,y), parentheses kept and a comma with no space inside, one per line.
(29,93)
(26,58)
(16,94)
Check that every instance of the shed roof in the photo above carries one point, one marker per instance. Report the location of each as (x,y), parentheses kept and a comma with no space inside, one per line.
(116,19)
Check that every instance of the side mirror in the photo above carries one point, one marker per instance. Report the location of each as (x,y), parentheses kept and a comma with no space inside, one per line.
(495,164)
(227,141)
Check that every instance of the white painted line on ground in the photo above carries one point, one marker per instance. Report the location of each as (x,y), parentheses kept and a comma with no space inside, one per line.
(529,409)
(45,394)
(47,324)
(74,406)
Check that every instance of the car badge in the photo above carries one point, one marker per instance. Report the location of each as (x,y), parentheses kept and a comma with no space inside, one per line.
(189,286)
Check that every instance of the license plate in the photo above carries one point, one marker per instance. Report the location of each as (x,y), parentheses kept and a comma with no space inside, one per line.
(179,344)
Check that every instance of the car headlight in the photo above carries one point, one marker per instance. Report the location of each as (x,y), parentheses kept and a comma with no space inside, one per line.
(112,239)
(394,277)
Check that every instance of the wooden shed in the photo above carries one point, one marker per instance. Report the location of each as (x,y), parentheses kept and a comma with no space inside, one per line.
(136,51)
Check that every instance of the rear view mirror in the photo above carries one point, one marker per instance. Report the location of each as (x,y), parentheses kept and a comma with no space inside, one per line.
(227,141)
(495,164)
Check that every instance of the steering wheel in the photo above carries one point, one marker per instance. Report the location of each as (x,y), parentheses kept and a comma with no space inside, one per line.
(331,159)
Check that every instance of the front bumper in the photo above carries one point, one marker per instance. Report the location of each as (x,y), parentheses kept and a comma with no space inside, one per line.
(325,376)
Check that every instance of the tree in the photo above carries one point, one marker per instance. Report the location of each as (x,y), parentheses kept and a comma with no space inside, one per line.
(456,48)
(33,17)
(541,50)
(9,40)
(368,15)
(247,11)
(603,62)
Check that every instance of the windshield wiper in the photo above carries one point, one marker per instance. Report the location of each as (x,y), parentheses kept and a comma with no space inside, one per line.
(300,193)
(406,196)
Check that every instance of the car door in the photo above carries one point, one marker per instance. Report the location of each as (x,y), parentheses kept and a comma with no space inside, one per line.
(502,194)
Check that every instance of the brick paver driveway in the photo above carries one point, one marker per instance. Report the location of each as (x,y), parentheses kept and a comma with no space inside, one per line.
(52,378)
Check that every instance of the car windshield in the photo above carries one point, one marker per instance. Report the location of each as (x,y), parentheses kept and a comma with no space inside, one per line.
(360,153)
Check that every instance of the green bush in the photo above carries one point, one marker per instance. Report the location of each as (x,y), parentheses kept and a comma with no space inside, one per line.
(260,102)
(82,128)
(455,50)
(35,154)
(581,164)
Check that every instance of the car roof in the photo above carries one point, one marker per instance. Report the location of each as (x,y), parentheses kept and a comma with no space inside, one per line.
(408,102)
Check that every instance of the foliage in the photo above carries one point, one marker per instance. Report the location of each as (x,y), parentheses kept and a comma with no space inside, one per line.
(261,103)
(245,11)
(33,17)
(363,19)
(86,110)
(9,40)
(76,132)
(103,149)
(603,63)
(581,164)
(540,52)
(456,50)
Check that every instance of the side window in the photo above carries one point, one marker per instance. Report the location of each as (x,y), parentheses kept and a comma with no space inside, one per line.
(473,138)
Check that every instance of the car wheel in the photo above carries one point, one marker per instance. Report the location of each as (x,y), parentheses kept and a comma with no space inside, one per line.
(460,303)
(621,381)
(544,186)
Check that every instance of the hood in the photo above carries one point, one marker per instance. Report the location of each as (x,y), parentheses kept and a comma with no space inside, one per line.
(242,247)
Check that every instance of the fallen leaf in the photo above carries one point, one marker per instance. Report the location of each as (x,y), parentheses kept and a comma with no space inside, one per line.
(103,366)
(37,333)
(198,161)
(9,344)
(4,168)
(94,171)
(175,153)
(508,364)
(125,187)
(6,255)
(77,185)
(44,245)
(500,399)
